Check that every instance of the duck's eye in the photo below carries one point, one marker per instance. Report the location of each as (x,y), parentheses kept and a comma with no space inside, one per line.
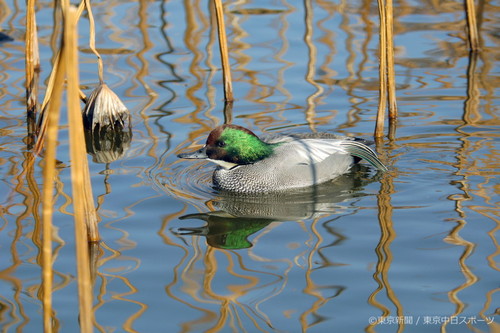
(220,144)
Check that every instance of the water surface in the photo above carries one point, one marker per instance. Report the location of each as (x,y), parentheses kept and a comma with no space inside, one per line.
(413,250)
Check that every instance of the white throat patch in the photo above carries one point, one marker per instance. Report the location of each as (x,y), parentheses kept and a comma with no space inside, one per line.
(224,164)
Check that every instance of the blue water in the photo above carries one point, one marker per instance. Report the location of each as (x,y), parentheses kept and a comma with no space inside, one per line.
(406,251)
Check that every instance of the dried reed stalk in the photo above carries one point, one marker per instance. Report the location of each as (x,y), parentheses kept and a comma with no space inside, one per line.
(82,195)
(387,86)
(226,69)
(228,112)
(77,143)
(391,79)
(42,123)
(49,172)
(470,10)
(92,40)
(50,84)
(43,119)
(382,102)
(32,70)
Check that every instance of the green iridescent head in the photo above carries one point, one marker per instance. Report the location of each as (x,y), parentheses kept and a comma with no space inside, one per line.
(236,145)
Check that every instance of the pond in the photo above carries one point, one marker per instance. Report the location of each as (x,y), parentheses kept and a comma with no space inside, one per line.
(413,249)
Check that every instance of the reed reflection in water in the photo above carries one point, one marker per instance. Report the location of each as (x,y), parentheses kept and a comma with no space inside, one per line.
(422,240)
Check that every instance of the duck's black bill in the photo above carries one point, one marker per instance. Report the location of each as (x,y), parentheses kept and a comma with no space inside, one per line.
(199,154)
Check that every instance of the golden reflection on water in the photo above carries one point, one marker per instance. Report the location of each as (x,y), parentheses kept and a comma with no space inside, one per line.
(103,293)
(193,281)
(384,253)
(467,169)
(311,287)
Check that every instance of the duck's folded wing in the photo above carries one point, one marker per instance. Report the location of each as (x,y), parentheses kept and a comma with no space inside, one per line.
(312,151)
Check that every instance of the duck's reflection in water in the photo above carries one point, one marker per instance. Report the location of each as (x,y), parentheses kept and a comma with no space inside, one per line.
(237,216)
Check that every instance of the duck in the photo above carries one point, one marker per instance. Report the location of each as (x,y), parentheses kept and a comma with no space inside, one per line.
(247,163)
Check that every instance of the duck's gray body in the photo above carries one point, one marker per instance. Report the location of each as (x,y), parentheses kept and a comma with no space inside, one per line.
(288,167)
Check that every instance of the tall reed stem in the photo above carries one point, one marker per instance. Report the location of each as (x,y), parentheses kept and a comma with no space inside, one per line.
(470,10)
(387,86)
(382,102)
(226,69)
(49,173)
(391,79)
(79,171)
(32,70)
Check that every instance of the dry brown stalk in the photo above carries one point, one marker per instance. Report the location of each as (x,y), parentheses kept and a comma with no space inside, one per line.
(42,123)
(92,40)
(382,102)
(43,119)
(82,194)
(49,173)
(228,112)
(32,70)
(387,86)
(226,68)
(470,10)
(391,79)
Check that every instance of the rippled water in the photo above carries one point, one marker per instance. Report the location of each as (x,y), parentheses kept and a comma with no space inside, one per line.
(413,250)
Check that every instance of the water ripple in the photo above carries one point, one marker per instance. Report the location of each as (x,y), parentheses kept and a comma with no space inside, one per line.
(187,180)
